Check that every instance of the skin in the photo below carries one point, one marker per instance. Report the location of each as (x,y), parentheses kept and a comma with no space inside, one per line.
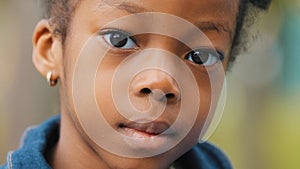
(74,148)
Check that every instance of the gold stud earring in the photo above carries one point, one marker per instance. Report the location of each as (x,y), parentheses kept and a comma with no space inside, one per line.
(50,80)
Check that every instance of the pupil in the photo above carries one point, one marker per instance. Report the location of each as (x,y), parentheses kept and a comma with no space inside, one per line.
(199,57)
(118,40)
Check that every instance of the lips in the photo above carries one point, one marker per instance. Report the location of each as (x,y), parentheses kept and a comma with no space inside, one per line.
(147,129)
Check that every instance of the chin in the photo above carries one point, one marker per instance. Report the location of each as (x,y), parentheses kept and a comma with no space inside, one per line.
(162,161)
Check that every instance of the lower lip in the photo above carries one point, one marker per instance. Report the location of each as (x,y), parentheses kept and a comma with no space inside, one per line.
(140,140)
(137,134)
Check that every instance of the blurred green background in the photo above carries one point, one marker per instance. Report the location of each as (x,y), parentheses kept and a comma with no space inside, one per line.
(260,128)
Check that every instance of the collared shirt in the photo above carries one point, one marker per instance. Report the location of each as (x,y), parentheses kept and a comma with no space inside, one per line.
(37,140)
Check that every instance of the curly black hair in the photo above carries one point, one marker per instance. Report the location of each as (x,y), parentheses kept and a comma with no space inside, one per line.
(60,14)
(248,10)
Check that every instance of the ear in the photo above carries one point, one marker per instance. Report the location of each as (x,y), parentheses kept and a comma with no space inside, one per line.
(47,50)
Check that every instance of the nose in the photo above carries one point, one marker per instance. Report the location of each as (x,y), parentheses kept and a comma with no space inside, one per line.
(156,83)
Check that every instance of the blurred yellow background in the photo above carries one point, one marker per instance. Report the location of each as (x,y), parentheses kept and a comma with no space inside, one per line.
(260,128)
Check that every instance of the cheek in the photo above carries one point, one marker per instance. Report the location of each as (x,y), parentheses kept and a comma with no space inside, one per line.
(205,96)
(103,91)
(210,83)
(103,88)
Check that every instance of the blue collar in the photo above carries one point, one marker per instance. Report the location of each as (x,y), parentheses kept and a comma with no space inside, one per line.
(34,144)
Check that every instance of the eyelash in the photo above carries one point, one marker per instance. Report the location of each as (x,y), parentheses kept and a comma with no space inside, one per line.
(210,56)
(122,42)
(125,41)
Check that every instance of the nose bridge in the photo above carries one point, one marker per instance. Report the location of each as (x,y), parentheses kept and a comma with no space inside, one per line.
(167,43)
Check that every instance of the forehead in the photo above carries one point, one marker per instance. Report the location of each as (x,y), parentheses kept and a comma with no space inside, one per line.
(222,10)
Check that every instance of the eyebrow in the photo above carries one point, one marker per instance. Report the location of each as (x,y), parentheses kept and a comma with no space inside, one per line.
(126,6)
(208,25)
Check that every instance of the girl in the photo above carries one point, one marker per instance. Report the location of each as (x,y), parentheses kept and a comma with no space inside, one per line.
(138,82)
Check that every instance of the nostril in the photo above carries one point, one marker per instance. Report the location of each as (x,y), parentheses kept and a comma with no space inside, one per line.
(170,95)
(145,91)
(158,94)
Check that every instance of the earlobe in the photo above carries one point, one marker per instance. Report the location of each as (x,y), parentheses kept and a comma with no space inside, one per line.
(47,50)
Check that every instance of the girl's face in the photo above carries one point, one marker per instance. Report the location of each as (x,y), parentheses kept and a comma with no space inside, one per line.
(215,18)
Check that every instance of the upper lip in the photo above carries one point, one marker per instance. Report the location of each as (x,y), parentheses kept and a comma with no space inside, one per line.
(154,128)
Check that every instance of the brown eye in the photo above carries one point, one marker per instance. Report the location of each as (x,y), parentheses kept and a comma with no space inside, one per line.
(119,40)
(204,57)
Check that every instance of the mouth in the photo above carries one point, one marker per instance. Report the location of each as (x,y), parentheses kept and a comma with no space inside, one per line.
(143,130)
(155,136)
